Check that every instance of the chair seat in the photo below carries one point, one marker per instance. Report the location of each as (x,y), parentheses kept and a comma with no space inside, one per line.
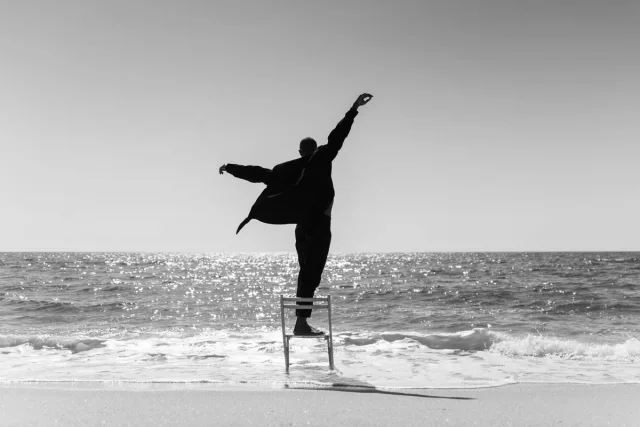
(324,335)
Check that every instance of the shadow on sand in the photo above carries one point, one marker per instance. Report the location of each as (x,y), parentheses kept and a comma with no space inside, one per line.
(350,388)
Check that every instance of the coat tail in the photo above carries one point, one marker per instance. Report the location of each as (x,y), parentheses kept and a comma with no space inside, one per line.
(243,223)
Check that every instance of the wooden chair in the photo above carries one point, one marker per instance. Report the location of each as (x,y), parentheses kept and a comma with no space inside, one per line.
(292,303)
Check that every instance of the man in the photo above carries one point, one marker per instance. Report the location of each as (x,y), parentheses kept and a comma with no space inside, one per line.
(301,192)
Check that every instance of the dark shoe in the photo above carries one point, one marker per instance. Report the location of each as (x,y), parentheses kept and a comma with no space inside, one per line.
(307,331)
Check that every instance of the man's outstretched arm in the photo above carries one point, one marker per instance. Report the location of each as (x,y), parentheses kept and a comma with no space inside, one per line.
(248,173)
(341,131)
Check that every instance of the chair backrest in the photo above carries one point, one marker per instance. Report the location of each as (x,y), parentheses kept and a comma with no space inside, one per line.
(292,303)
(286,302)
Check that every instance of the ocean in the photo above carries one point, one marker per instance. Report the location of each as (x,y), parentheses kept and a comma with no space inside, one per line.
(400,320)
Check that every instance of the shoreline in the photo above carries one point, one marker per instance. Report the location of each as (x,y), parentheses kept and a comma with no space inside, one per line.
(150,404)
(128,385)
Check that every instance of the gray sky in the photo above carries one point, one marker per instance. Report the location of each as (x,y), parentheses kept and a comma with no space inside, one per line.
(495,125)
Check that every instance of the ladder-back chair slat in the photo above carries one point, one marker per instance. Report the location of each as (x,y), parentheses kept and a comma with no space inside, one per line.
(305,299)
(306,307)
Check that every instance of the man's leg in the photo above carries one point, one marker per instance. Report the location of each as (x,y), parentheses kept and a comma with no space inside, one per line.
(300,245)
(314,243)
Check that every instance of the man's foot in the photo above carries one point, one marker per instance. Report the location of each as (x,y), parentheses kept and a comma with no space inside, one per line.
(306,330)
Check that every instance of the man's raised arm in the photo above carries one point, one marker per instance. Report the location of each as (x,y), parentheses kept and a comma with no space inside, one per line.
(341,131)
(248,173)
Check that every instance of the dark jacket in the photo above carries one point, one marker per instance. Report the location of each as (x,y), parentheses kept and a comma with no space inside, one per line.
(298,190)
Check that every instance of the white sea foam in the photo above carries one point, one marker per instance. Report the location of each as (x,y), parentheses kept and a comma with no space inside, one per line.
(475,358)
(37,342)
(539,346)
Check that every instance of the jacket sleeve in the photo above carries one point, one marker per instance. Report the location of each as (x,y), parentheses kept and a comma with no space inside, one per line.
(338,135)
(251,173)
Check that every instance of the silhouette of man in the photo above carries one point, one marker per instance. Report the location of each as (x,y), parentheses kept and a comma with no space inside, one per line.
(301,192)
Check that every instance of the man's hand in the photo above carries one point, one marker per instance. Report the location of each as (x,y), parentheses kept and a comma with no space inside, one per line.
(362,100)
(223,169)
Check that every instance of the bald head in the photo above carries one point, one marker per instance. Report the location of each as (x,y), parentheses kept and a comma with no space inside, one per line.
(308,146)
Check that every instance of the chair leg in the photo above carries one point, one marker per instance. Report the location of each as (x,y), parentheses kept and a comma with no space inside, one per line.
(286,354)
(330,351)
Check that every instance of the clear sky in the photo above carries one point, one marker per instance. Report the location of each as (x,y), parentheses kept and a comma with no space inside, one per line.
(496,125)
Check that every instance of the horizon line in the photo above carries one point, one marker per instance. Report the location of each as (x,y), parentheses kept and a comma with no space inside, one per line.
(332,252)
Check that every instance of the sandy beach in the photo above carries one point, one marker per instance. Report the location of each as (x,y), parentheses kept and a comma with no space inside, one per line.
(72,404)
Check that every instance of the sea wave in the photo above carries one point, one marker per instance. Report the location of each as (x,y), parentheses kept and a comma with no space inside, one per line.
(471,358)
(37,343)
(480,339)
(540,346)
(477,339)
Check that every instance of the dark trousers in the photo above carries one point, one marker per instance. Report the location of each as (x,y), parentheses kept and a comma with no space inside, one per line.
(312,244)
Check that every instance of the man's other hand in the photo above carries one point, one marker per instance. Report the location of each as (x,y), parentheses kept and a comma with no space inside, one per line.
(223,169)
(362,100)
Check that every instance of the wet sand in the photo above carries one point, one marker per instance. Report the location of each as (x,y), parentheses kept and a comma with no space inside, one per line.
(78,404)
